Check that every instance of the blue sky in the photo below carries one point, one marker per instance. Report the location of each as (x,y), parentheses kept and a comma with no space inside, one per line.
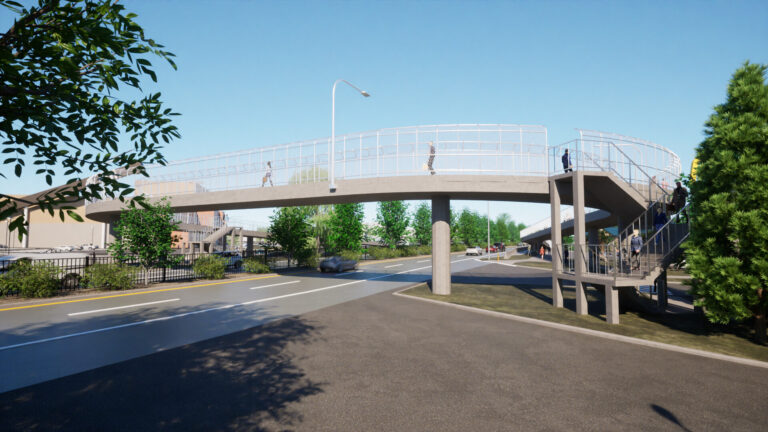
(260,73)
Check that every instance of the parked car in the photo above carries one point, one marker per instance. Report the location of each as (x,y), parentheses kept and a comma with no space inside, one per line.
(500,246)
(234,260)
(494,249)
(474,250)
(337,264)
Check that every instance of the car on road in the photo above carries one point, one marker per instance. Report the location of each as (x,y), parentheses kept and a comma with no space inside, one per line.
(474,250)
(337,264)
(500,246)
(234,259)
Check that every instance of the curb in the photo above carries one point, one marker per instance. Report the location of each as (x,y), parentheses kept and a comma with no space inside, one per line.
(596,333)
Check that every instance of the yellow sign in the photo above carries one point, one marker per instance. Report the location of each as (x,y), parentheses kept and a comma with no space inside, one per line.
(694,167)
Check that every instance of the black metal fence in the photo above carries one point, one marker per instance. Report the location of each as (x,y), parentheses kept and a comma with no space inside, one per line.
(71,271)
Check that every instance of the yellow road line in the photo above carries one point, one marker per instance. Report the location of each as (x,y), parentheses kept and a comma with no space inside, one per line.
(134,293)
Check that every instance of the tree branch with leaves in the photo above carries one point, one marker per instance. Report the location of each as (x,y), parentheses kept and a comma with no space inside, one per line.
(63,65)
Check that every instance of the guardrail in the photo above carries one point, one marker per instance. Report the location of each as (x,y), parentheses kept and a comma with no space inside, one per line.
(459,149)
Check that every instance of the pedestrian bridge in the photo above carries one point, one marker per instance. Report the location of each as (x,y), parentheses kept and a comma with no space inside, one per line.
(626,177)
(498,162)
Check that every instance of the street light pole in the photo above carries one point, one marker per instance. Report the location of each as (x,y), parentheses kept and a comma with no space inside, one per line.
(331,157)
(488,209)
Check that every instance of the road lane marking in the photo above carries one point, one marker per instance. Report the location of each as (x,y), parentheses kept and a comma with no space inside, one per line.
(393,265)
(277,284)
(134,324)
(423,261)
(122,307)
(134,293)
(330,287)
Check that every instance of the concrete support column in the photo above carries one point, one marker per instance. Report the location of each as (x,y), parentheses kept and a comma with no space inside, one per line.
(25,238)
(593,239)
(441,245)
(104,235)
(249,245)
(611,305)
(557,240)
(579,242)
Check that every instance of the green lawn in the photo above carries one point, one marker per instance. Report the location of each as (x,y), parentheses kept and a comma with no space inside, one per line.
(516,257)
(688,330)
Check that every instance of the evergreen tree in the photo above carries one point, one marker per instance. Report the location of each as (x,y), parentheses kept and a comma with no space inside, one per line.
(346,228)
(728,248)
(392,217)
(422,224)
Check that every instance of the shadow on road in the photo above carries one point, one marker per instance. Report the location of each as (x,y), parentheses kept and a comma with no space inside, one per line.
(237,381)
(668,415)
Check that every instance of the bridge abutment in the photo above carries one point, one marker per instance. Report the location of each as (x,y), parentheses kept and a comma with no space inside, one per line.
(441,245)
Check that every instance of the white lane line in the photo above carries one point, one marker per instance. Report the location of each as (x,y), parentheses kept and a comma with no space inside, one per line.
(122,307)
(277,284)
(332,286)
(393,265)
(134,324)
(423,261)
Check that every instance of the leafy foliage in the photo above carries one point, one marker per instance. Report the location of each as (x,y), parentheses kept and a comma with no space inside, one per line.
(346,228)
(62,64)
(728,248)
(110,276)
(146,235)
(392,217)
(30,279)
(210,267)
(422,224)
(290,229)
(255,265)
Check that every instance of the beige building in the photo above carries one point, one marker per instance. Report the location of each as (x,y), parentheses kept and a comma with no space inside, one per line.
(46,231)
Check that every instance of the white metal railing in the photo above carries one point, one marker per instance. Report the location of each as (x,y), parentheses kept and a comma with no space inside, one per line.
(660,243)
(647,167)
(472,149)
(460,149)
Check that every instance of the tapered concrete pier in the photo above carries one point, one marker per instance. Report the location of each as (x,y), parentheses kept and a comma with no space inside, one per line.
(441,245)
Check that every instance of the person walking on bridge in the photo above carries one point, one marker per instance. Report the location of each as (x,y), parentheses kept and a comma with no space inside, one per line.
(267,175)
(679,197)
(567,165)
(431,159)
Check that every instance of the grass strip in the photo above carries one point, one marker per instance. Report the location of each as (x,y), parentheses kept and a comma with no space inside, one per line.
(684,329)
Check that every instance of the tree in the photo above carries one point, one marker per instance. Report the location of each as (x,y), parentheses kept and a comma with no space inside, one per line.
(469,227)
(502,228)
(62,64)
(422,224)
(727,251)
(346,227)
(392,217)
(146,234)
(290,229)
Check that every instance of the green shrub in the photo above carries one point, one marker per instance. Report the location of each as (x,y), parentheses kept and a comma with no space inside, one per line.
(255,265)
(110,277)
(308,258)
(30,279)
(210,267)
(384,253)
(458,248)
(350,255)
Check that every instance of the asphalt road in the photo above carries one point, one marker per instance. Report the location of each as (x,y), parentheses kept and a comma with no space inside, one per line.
(70,335)
(384,362)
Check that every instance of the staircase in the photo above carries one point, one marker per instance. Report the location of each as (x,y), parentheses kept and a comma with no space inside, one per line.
(637,197)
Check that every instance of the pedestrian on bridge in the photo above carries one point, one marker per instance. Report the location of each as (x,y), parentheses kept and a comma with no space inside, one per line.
(267,175)
(635,246)
(679,197)
(567,165)
(431,159)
